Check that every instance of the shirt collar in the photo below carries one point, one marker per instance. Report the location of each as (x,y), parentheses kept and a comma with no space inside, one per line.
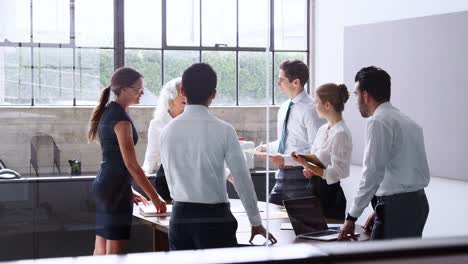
(196,109)
(166,117)
(335,127)
(299,97)
(382,107)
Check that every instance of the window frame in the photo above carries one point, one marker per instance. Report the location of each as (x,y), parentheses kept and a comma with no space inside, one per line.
(119,43)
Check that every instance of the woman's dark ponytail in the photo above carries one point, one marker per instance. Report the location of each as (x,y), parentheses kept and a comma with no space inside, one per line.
(97,113)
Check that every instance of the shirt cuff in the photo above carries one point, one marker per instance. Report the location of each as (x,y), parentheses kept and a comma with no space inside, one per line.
(355,212)
(256,219)
(288,161)
(227,172)
(146,168)
(327,178)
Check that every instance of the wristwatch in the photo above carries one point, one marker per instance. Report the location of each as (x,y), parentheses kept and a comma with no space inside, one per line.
(351,218)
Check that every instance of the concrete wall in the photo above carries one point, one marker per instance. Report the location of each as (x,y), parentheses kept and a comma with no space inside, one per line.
(448,211)
(68,127)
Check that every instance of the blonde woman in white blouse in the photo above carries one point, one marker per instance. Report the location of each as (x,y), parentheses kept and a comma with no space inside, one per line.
(171,103)
(332,146)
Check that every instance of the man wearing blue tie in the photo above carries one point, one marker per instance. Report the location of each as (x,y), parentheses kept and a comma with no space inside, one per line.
(298,123)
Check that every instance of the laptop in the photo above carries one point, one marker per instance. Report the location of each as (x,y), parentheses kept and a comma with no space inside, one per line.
(308,220)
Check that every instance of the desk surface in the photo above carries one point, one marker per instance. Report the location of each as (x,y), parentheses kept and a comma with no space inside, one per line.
(277,217)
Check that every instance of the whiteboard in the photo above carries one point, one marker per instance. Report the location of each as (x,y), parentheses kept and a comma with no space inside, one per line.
(427,58)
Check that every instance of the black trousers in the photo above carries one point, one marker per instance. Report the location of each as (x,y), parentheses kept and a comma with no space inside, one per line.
(292,184)
(400,216)
(201,226)
(160,184)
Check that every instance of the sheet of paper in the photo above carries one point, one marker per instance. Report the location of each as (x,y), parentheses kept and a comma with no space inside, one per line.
(286,226)
(241,209)
(150,210)
(262,154)
(274,215)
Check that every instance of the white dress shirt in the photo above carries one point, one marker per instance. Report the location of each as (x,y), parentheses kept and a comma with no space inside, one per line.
(394,157)
(194,148)
(152,157)
(302,127)
(333,147)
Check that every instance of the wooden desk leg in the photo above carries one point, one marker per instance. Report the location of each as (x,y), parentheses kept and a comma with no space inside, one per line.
(160,241)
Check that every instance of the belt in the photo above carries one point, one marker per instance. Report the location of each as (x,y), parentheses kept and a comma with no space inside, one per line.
(293,168)
(201,205)
(400,196)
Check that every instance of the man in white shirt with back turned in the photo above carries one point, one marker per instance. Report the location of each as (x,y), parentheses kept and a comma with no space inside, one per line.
(395,169)
(297,126)
(194,148)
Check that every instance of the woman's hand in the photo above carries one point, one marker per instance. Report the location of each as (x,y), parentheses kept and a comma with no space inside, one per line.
(230,179)
(316,171)
(137,197)
(308,174)
(298,158)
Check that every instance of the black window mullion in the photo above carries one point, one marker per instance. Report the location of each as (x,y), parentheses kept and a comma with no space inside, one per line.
(73,43)
(201,29)
(119,35)
(163,37)
(164,24)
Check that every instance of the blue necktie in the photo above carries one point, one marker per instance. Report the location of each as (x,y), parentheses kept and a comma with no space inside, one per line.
(282,144)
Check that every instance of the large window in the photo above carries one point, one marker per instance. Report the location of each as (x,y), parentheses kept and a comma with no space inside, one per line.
(63,52)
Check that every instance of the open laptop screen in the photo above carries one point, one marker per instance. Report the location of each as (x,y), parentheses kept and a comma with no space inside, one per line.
(306,215)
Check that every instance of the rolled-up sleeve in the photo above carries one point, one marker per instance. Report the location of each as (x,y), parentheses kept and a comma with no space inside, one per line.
(152,155)
(340,158)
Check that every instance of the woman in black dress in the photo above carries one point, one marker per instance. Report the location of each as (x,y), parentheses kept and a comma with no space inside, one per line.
(112,186)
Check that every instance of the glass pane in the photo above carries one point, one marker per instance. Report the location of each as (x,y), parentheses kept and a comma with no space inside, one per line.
(183,23)
(252,78)
(89,32)
(280,57)
(290,24)
(253,23)
(53,82)
(219,22)
(15,76)
(175,62)
(15,17)
(143,23)
(94,68)
(51,21)
(224,63)
(148,63)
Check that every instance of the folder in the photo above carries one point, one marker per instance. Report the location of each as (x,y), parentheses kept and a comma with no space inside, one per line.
(313,160)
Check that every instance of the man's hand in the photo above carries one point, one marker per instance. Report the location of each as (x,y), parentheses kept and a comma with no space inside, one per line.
(159,204)
(370,223)
(347,231)
(277,160)
(261,148)
(260,230)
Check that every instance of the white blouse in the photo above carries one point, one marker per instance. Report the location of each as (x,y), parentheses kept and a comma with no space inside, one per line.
(152,155)
(333,147)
